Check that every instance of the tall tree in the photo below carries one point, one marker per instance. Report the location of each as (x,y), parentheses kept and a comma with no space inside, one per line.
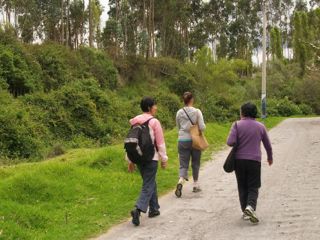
(90,9)
(276,43)
(78,20)
(94,11)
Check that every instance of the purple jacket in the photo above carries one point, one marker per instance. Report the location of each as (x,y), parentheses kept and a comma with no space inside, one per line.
(250,134)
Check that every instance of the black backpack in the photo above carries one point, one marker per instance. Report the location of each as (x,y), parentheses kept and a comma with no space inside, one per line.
(138,144)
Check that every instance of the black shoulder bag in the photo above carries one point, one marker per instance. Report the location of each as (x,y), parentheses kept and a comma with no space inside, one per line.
(230,163)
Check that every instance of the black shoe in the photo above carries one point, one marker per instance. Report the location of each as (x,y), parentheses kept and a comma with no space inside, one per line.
(135,217)
(178,191)
(154,213)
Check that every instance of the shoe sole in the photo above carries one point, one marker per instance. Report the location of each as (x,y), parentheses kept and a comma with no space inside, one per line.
(153,216)
(196,190)
(178,191)
(253,219)
(135,220)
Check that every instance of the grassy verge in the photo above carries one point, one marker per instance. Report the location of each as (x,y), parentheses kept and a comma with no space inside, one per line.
(81,193)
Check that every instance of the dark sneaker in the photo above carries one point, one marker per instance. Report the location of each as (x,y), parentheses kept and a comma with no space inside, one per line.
(135,214)
(249,211)
(196,189)
(154,213)
(178,191)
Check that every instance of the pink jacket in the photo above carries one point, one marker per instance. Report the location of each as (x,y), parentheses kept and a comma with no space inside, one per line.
(156,133)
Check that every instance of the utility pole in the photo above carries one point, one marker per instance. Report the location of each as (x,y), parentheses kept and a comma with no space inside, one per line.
(264,64)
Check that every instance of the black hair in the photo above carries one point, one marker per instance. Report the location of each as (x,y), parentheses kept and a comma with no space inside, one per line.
(187,97)
(249,110)
(147,103)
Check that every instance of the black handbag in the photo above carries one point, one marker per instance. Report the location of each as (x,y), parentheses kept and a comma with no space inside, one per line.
(230,163)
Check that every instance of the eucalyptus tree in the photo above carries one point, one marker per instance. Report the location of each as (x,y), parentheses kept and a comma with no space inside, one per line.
(94,10)
(78,20)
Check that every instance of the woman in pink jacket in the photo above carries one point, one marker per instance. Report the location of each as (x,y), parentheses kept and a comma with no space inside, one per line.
(148,170)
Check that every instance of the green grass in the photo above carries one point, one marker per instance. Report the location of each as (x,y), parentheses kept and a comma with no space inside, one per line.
(84,192)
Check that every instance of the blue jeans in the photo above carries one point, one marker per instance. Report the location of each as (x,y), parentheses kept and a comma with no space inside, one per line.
(148,196)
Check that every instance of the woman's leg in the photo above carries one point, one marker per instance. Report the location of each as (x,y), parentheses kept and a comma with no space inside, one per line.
(196,156)
(154,204)
(241,175)
(184,149)
(253,182)
(148,172)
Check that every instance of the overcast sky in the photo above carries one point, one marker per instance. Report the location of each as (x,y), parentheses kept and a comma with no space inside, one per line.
(105,12)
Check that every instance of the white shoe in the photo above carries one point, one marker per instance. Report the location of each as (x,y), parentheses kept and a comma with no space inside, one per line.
(249,211)
(196,189)
(245,217)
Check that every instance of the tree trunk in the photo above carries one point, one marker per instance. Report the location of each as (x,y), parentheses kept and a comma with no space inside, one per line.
(152,31)
(8,14)
(15,19)
(68,39)
(62,22)
(117,37)
(149,31)
(90,24)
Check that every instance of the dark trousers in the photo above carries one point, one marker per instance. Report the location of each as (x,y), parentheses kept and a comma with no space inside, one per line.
(148,196)
(248,173)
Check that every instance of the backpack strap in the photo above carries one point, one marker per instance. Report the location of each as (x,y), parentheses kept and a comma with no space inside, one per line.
(188,116)
(147,122)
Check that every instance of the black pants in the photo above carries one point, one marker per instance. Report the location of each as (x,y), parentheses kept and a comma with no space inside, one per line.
(148,196)
(248,173)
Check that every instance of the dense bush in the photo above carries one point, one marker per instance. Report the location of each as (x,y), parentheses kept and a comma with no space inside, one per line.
(73,109)
(306,109)
(73,99)
(20,136)
(101,67)
(182,82)
(55,71)
(169,104)
(283,107)
(308,91)
(163,67)
(18,72)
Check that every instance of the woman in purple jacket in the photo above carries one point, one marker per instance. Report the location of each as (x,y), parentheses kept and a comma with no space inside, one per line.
(249,133)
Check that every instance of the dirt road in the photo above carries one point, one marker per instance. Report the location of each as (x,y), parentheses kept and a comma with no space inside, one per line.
(288,206)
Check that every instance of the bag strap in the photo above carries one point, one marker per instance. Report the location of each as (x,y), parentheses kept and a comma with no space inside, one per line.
(188,116)
(155,142)
(147,122)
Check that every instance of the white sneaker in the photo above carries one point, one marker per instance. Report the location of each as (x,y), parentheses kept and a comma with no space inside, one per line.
(245,217)
(249,211)
(196,187)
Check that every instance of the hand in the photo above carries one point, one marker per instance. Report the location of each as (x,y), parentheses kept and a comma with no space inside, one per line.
(164,165)
(270,162)
(131,167)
